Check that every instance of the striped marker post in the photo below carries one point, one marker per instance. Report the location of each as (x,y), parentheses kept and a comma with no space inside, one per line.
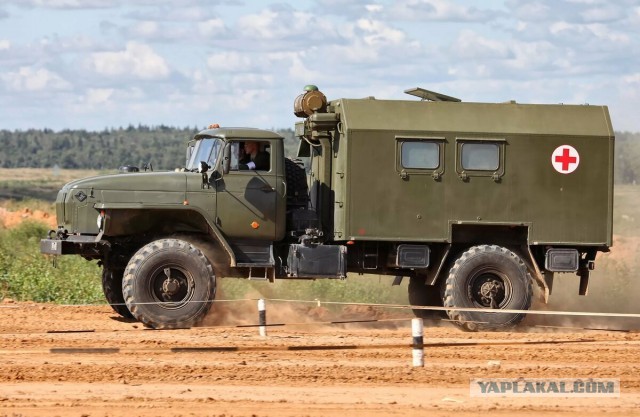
(418,342)
(262,317)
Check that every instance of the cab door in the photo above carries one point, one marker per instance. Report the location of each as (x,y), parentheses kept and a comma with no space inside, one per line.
(248,200)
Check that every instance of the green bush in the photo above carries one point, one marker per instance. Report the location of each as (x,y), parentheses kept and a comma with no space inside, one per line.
(25,274)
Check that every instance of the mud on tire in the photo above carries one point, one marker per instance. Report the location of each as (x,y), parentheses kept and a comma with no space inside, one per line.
(169,284)
(492,277)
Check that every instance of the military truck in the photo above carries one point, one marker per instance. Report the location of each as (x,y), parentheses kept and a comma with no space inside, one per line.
(474,203)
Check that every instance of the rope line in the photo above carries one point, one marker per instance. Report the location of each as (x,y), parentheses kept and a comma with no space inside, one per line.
(390,306)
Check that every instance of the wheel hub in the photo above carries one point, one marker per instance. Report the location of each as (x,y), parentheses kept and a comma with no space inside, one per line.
(170,286)
(489,290)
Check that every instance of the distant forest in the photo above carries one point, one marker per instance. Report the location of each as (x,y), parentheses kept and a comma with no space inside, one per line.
(164,147)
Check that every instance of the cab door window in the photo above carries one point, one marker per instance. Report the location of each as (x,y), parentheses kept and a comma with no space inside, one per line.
(250,155)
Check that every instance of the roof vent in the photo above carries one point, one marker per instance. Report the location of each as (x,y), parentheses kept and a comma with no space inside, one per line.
(430,95)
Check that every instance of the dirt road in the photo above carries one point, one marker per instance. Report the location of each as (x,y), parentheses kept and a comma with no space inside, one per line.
(111,367)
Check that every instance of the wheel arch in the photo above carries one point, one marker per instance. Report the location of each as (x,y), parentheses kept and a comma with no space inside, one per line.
(123,222)
(513,236)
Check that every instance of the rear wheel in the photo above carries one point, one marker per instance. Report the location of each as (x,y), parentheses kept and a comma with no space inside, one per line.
(169,284)
(491,277)
(112,288)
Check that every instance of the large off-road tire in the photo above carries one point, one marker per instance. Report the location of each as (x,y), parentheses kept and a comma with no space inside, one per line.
(423,295)
(169,284)
(112,288)
(492,277)
(297,188)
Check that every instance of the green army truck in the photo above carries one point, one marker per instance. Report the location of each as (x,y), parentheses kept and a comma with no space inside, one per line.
(474,203)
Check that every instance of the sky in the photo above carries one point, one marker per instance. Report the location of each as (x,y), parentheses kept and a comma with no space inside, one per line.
(96,64)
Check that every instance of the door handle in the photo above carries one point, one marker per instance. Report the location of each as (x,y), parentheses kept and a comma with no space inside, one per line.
(267,189)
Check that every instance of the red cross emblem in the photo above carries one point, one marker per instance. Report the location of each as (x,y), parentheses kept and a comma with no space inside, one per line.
(565,159)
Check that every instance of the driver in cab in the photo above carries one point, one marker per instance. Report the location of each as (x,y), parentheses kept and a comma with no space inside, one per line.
(254,158)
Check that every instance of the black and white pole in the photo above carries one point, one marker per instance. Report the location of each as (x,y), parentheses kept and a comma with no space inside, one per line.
(262,317)
(418,342)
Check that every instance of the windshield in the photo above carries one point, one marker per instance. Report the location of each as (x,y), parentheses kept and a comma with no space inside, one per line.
(206,150)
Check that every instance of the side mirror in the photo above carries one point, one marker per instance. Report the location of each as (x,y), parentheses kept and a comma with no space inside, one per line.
(226,159)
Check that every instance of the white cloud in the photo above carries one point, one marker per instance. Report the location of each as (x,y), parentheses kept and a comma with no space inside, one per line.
(633,78)
(137,59)
(285,24)
(377,32)
(605,13)
(69,4)
(241,82)
(211,27)
(4,44)
(247,99)
(594,30)
(28,79)
(204,84)
(438,10)
(532,11)
(146,29)
(298,66)
(471,45)
(229,61)
(98,95)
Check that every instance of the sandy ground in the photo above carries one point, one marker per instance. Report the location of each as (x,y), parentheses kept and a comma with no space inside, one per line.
(132,371)
(10,218)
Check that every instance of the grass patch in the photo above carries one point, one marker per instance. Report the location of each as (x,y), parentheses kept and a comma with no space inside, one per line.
(626,217)
(374,289)
(25,274)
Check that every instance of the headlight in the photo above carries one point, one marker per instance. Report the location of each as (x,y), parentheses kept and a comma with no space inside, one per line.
(100,220)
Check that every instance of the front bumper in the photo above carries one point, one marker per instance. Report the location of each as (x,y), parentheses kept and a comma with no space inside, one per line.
(86,245)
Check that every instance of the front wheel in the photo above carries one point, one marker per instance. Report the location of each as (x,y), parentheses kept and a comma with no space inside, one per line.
(490,277)
(169,284)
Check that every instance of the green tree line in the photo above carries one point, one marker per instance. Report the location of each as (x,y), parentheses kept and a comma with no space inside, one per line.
(164,148)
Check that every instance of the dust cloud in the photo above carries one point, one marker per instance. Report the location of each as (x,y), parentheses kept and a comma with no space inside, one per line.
(613,288)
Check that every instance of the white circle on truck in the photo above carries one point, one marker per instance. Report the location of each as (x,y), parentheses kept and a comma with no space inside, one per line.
(565,159)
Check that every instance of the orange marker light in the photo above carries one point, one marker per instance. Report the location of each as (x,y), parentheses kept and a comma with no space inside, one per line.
(255,225)
(185,203)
